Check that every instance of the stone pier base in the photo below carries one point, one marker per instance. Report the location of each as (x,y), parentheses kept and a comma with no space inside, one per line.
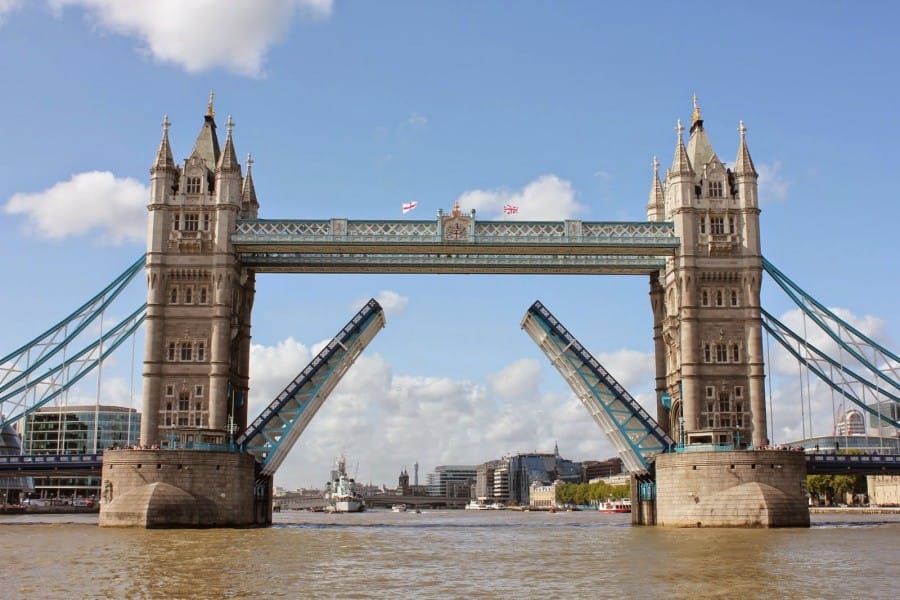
(183,488)
(763,488)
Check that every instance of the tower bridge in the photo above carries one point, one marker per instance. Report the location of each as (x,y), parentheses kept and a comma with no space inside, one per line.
(203,461)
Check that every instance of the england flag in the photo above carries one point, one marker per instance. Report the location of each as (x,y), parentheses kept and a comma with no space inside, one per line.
(509,209)
(408,206)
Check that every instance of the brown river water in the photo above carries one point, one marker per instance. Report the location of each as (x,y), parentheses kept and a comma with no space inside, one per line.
(450,554)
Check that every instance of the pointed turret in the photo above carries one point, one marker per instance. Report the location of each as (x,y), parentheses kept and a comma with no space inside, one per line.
(249,203)
(681,164)
(206,147)
(699,148)
(656,203)
(743,164)
(228,159)
(164,160)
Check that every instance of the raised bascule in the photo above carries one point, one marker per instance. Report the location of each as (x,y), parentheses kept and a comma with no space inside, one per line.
(703,460)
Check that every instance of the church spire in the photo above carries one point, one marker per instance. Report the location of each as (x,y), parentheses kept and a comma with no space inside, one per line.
(207,144)
(681,164)
(164,160)
(743,164)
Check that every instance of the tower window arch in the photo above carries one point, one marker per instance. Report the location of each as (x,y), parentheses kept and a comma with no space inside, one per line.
(193,185)
(716,189)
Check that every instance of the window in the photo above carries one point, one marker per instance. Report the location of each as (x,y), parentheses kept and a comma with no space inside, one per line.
(191,222)
(704,297)
(173,295)
(188,294)
(198,405)
(187,351)
(202,293)
(739,391)
(730,224)
(707,354)
(717,225)
(206,222)
(734,298)
(702,225)
(724,403)
(201,356)
(170,390)
(170,352)
(198,391)
(176,222)
(721,353)
(183,421)
(169,421)
(735,353)
(168,406)
(193,185)
(710,393)
(716,189)
(719,299)
(197,420)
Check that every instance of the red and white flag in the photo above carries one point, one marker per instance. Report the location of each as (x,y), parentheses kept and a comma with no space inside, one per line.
(509,209)
(408,206)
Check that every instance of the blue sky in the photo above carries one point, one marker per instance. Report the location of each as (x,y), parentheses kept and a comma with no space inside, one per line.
(352,108)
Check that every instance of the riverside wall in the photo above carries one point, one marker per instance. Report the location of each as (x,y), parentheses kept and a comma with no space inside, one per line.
(183,488)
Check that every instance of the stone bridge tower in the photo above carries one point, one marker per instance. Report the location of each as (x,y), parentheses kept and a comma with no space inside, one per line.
(199,298)
(706,303)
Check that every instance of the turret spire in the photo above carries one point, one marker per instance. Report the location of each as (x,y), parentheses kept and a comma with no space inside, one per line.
(228,159)
(249,203)
(164,158)
(210,111)
(743,164)
(656,203)
(681,164)
(696,119)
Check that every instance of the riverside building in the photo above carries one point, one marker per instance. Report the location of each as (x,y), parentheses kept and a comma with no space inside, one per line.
(76,430)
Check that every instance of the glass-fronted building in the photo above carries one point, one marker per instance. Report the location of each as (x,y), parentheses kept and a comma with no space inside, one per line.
(451,481)
(76,430)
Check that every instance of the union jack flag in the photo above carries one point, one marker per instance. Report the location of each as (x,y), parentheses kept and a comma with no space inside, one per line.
(408,206)
(509,209)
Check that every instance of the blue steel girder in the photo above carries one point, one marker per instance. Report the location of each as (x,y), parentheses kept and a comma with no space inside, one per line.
(31,394)
(273,433)
(636,436)
(345,246)
(817,361)
(881,362)
(39,351)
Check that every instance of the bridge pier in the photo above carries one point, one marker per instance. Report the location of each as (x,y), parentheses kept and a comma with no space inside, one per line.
(183,488)
(762,488)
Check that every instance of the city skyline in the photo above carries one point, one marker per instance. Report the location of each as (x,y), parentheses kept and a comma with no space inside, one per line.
(351,110)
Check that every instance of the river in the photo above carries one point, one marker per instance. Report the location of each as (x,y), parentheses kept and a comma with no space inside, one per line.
(450,554)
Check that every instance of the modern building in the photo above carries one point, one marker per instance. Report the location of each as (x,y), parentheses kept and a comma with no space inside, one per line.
(12,489)
(76,430)
(451,481)
(510,478)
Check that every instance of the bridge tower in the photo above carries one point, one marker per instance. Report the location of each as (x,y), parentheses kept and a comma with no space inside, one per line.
(709,362)
(199,298)
(706,303)
(196,354)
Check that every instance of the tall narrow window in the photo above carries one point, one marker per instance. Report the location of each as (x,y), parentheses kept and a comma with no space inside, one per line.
(187,351)
(702,225)
(170,351)
(201,356)
(202,293)
(717,225)
(734,298)
(721,353)
(704,297)
(730,224)
(176,222)
(173,295)
(205,221)
(707,353)
(735,353)
(719,300)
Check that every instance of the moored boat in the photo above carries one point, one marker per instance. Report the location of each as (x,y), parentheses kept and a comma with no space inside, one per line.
(341,492)
(615,506)
(477,505)
(398,508)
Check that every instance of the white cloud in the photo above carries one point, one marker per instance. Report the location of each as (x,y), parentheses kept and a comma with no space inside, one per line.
(772,185)
(88,202)
(385,422)
(202,34)
(8,6)
(546,198)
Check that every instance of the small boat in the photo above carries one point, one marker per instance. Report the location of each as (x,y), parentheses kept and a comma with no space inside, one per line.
(497,506)
(398,508)
(477,505)
(341,493)
(616,506)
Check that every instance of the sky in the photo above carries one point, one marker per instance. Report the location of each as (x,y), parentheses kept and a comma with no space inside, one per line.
(352,108)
